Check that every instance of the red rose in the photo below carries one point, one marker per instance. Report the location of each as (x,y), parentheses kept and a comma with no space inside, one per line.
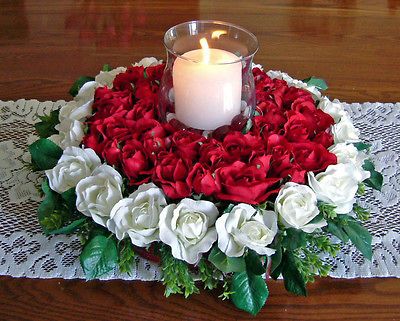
(201,180)
(324,138)
(155,73)
(111,103)
(293,93)
(112,153)
(147,128)
(312,156)
(187,144)
(271,120)
(298,128)
(142,109)
(213,154)
(240,182)
(124,81)
(171,173)
(304,104)
(137,167)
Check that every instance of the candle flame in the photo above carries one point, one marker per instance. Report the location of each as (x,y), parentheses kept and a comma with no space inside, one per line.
(218,33)
(206,50)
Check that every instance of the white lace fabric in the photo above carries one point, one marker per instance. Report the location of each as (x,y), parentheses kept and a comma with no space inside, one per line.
(26,252)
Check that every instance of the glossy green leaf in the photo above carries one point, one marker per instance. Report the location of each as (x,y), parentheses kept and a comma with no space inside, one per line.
(294,239)
(78,84)
(46,127)
(317,82)
(360,237)
(276,266)
(45,154)
(249,292)
(253,263)
(70,228)
(224,263)
(376,179)
(361,146)
(293,280)
(99,256)
(69,198)
(336,228)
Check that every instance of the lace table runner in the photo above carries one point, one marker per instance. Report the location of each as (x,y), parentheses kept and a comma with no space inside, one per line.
(26,252)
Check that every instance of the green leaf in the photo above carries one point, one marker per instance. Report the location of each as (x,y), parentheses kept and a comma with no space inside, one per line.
(126,256)
(72,227)
(46,127)
(49,218)
(78,84)
(107,67)
(317,82)
(228,209)
(317,219)
(224,263)
(376,179)
(361,146)
(253,263)
(276,266)
(335,227)
(249,292)
(208,274)
(294,239)
(293,280)
(360,237)
(176,275)
(99,256)
(45,154)
(70,198)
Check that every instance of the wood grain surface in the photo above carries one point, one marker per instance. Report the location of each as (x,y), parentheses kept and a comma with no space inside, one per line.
(46,45)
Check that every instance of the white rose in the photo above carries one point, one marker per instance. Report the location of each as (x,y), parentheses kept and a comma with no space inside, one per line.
(337,186)
(245,227)
(97,194)
(147,62)
(344,131)
(71,133)
(86,92)
(348,153)
(189,228)
(74,165)
(106,78)
(335,108)
(138,215)
(73,111)
(297,206)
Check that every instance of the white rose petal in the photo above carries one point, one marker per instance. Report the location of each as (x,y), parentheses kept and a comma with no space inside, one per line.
(337,186)
(86,92)
(348,153)
(71,133)
(98,193)
(345,132)
(245,227)
(147,62)
(138,215)
(74,165)
(189,228)
(335,108)
(106,78)
(296,206)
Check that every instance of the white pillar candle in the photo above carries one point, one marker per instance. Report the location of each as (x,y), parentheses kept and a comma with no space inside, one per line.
(207,88)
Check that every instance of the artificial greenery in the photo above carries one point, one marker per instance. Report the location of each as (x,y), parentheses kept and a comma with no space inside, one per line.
(126,256)
(46,127)
(176,275)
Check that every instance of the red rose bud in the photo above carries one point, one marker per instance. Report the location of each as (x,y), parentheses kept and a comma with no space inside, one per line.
(201,180)
(312,156)
(240,182)
(171,173)
(137,167)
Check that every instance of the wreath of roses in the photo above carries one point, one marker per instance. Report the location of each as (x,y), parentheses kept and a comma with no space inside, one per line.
(267,191)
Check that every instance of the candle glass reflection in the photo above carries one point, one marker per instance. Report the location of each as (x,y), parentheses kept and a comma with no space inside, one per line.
(208,81)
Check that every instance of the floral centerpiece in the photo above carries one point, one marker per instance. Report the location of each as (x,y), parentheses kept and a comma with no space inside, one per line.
(230,208)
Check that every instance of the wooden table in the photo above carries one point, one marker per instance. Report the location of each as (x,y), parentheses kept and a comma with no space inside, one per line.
(46,45)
